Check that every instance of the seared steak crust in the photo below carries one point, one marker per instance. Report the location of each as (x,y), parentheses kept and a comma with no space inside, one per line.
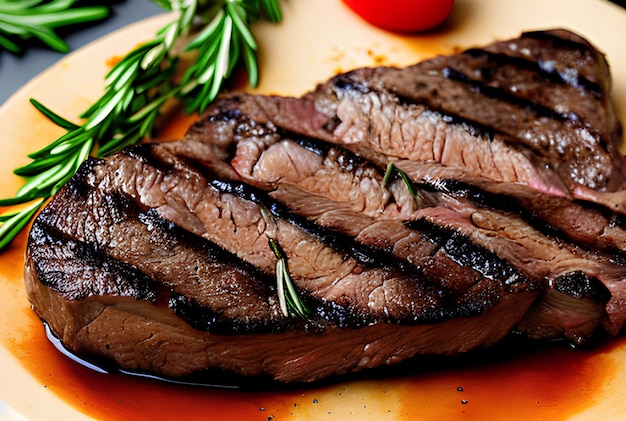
(425,210)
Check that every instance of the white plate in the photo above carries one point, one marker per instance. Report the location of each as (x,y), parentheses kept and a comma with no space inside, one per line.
(317,39)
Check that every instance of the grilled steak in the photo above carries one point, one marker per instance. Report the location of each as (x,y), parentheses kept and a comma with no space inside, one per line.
(426,210)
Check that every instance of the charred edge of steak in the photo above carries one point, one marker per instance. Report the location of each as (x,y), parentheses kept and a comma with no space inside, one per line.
(557,40)
(579,285)
(567,41)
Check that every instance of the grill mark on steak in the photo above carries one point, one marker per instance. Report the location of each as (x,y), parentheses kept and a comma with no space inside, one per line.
(504,96)
(378,252)
(575,152)
(577,61)
(497,60)
(342,243)
(379,127)
(597,227)
(63,267)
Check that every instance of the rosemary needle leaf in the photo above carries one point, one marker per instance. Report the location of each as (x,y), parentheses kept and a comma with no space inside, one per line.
(388,173)
(280,286)
(17,6)
(54,6)
(124,78)
(55,118)
(150,108)
(105,111)
(251,65)
(52,19)
(209,31)
(272,10)
(71,136)
(16,200)
(8,44)
(288,297)
(221,67)
(238,15)
(42,164)
(16,222)
(48,37)
(44,181)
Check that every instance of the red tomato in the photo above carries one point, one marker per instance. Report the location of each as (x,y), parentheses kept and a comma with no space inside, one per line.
(402,15)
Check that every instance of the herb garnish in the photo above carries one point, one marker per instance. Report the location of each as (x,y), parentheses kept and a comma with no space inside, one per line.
(136,89)
(23,20)
(391,169)
(290,302)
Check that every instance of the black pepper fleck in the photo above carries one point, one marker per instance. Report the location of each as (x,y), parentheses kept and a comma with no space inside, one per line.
(464,402)
(459,389)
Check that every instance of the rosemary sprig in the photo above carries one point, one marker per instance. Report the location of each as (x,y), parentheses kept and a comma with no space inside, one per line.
(225,39)
(22,20)
(391,170)
(290,302)
(137,88)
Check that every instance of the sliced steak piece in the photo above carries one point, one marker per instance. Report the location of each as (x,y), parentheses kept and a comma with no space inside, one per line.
(163,257)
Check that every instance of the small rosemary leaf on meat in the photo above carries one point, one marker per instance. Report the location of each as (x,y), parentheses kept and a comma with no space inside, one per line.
(290,302)
(391,170)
